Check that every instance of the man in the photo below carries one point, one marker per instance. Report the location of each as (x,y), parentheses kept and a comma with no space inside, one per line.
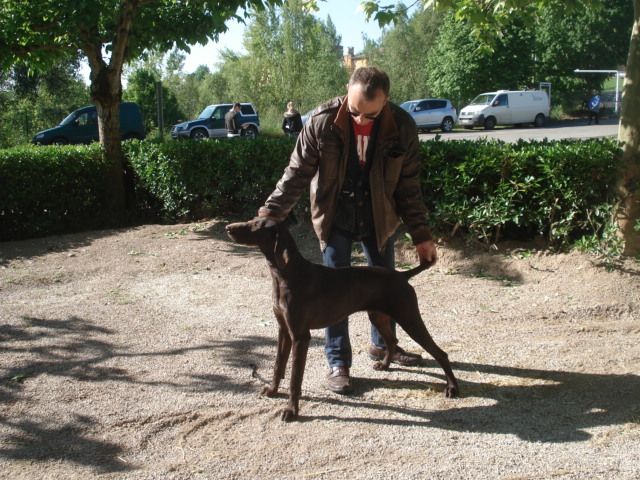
(594,108)
(232,121)
(360,155)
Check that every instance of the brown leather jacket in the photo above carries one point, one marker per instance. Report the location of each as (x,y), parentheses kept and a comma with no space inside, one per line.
(320,161)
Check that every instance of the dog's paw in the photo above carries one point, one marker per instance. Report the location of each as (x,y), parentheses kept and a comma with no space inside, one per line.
(269,391)
(451,391)
(380,366)
(289,415)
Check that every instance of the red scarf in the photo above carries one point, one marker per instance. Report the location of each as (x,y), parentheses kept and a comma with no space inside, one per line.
(363,135)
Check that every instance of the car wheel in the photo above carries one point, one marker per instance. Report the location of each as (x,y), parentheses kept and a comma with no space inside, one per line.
(489,123)
(539,121)
(250,132)
(447,124)
(59,141)
(199,134)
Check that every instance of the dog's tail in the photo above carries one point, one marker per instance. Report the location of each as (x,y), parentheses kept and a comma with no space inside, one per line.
(416,270)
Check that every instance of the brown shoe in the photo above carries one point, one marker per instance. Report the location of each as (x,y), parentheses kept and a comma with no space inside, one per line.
(338,380)
(406,359)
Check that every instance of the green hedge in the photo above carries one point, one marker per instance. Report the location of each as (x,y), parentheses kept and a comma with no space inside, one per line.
(51,190)
(210,178)
(492,190)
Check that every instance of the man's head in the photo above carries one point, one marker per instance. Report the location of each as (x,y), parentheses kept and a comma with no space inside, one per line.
(236,107)
(367,94)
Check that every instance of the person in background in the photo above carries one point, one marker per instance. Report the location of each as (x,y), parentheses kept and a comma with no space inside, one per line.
(360,156)
(594,108)
(232,121)
(291,121)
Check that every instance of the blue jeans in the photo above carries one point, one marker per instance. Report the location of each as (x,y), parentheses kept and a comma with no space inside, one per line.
(338,254)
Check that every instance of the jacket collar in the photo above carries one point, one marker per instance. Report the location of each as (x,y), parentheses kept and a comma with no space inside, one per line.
(388,128)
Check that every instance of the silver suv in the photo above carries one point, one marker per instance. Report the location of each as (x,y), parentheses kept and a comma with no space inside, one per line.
(430,113)
(210,123)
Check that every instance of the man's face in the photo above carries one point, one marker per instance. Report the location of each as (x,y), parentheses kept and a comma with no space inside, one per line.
(364,111)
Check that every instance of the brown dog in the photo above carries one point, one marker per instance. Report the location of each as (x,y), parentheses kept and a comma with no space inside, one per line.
(309,296)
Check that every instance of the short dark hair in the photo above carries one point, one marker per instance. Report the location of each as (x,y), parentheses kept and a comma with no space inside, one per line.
(372,79)
(236,105)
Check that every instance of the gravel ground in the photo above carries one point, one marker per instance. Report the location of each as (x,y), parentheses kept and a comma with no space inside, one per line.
(140,353)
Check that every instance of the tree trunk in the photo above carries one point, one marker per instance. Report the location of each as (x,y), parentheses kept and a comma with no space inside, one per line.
(106,92)
(629,136)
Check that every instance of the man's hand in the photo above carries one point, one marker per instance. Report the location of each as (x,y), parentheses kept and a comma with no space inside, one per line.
(427,252)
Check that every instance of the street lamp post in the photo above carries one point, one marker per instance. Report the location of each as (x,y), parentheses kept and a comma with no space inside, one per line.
(617,74)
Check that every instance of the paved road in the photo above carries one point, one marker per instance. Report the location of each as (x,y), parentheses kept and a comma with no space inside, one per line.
(608,127)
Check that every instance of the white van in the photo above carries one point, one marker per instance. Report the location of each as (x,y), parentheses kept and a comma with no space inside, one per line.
(506,107)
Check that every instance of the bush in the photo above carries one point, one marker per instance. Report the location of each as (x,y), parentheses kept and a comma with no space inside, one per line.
(495,190)
(487,189)
(210,178)
(52,190)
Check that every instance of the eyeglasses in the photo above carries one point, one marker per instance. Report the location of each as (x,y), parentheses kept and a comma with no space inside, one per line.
(368,116)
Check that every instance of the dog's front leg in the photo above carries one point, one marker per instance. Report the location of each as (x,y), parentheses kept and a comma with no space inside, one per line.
(282,355)
(298,362)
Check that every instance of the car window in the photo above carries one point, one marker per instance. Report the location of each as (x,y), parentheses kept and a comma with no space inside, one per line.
(206,113)
(406,106)
(219,113)
(247,110)
(424,105)
(438,104)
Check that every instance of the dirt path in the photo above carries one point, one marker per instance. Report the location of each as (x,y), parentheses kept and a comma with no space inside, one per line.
(139,354)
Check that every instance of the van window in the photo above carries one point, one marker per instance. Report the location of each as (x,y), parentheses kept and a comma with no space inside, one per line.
(482,99)
(87,118)
(435,104)
(501,101)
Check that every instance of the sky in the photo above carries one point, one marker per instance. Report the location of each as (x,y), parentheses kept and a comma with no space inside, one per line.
(349,20)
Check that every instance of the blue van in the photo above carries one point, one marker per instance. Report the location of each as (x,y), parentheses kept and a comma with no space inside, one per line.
(81,126)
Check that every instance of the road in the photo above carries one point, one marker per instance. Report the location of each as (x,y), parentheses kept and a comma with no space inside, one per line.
(608,127)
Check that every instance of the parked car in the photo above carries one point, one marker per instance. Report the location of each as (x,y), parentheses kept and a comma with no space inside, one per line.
(81,126)
(210,123)
(506,107)
(430,113)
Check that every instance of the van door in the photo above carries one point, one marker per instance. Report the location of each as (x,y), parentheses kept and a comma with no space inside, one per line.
(501,110)
(85,128)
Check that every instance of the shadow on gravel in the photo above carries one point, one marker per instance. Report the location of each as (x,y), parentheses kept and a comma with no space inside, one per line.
(80,350)
(36,441)
(36,247)
(560,410)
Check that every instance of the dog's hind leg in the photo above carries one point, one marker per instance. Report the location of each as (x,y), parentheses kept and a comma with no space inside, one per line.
(282,356)
(298,362)
(382,322)
(412,323)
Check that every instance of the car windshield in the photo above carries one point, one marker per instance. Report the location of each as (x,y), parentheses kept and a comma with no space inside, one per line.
(483,99)
(407,106)
(68,119)
(206,113)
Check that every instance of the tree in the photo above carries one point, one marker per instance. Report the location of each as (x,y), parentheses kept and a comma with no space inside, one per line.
(401,53)
(291,55)
(29,103)
(590,39)
(141,88)
(108,33)
(459,69)
(488,19)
